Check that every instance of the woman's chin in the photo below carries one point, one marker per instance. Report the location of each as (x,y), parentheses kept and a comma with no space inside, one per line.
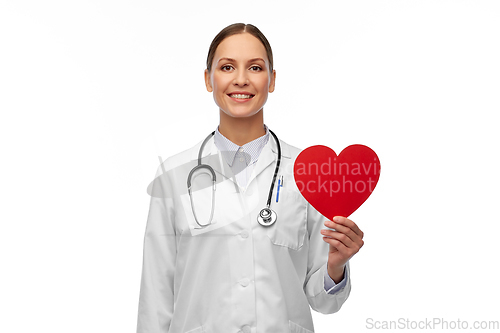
(241,113)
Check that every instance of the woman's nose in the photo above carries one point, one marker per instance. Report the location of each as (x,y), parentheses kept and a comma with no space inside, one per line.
(241,78)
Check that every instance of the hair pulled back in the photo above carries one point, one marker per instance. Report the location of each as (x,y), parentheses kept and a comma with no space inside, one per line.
(234,29)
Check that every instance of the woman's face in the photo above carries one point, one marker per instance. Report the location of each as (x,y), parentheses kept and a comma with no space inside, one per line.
(240,77)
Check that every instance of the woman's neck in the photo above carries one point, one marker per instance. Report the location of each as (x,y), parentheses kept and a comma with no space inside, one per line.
(242,130)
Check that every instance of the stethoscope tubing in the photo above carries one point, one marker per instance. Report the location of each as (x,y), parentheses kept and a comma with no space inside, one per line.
(266,216)
(276,169)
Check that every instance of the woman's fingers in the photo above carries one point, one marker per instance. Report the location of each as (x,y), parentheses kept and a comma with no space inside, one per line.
(346,232)
(348,223)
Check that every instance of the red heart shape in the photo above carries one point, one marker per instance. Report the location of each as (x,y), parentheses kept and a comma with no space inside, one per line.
(336,185)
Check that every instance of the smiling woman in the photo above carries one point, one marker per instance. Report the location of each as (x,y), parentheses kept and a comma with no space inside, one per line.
(240,75)
(248,269)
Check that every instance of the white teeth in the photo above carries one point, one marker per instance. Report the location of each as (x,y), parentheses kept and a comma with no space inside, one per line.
(240,96)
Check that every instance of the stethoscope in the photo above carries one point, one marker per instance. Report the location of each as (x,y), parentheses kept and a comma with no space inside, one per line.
(266,217)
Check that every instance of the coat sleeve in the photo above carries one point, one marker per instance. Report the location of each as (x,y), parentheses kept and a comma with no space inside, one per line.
(319,300)
(156,300)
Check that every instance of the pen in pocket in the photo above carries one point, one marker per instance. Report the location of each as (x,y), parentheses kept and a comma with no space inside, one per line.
(280,184)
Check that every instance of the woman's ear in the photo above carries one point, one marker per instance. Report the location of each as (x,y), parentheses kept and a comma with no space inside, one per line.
(207,81)
(272,81)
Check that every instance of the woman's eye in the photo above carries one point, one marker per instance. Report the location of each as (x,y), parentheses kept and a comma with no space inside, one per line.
(256,68)
(226,67)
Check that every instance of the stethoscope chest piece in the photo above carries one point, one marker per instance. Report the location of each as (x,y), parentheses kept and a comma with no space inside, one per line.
(267,217)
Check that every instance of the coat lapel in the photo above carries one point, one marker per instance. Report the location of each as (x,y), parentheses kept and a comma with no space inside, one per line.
(212,157)
(268,156)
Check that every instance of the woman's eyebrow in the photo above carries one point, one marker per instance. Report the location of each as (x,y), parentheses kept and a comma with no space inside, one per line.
(256,59)
(232,60)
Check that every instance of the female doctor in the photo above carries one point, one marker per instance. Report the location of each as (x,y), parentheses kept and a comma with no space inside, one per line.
(240,250)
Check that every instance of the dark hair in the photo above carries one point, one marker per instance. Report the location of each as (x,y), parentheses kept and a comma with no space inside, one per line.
(234,29)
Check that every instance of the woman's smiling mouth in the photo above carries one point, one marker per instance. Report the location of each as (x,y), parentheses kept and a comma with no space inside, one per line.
(240,96)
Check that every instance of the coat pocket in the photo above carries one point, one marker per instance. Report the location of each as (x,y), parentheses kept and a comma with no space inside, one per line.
(290,228)
(295,328)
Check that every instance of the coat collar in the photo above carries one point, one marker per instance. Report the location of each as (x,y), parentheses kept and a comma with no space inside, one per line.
(268,155)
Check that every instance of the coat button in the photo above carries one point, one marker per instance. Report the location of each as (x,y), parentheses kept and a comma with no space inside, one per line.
(244,282)
(244,234)
(246,329)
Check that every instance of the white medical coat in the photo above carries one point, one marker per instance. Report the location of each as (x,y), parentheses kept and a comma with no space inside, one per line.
(234,275)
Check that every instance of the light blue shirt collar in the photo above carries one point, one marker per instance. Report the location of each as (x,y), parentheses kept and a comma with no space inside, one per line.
(250,150)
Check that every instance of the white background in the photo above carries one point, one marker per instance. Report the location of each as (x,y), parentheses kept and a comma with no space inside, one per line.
(92,92)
